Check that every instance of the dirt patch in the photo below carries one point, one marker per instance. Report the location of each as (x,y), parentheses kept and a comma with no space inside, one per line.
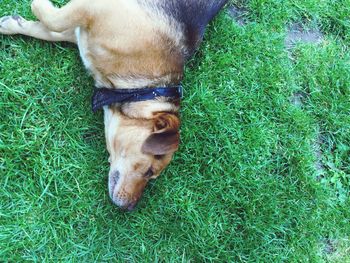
(297,33)
(329,246)
(239,14)
(298,99)
(335,250)
(320,169)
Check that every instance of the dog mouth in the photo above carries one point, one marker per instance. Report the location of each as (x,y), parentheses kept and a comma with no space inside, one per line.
(112,182)
(122,203)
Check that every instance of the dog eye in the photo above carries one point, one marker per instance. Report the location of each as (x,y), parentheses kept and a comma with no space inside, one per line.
(159,157)
(149,172)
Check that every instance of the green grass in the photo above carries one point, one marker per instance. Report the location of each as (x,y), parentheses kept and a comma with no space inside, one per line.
(245,185)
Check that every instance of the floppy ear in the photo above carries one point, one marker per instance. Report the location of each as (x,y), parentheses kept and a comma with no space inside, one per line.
(165,137)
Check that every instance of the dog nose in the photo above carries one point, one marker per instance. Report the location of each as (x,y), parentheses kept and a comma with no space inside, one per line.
(128,207)
(132,206)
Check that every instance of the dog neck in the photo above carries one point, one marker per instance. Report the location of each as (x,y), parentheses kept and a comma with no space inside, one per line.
(148,108)
(138,103)
(142,109)
(145,109)
(134,81)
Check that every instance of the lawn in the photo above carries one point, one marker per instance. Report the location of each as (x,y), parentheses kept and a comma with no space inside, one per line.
(263,171)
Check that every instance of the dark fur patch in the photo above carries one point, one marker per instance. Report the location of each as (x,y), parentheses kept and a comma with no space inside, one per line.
(194,15)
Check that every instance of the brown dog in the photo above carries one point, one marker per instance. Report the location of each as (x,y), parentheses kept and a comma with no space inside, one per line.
(129,44)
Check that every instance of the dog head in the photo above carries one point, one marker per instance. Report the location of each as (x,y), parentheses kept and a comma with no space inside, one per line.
(139,150)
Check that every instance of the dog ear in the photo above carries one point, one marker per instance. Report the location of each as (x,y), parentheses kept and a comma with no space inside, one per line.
(165,137)
(161,143)
(165,122)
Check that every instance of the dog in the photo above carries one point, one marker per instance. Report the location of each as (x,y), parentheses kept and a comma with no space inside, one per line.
(136,51)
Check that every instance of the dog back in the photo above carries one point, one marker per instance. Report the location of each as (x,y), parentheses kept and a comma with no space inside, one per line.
(192,15)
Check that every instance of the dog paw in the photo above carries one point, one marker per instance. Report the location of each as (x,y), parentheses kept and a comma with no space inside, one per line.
(10,25)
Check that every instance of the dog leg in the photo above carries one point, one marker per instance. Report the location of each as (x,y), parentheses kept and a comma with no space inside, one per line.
(56,19)
(11,25)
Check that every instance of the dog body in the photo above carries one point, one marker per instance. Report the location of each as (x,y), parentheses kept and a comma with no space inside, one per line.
(129,44)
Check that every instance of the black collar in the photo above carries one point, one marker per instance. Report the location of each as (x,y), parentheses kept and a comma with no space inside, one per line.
(105,97)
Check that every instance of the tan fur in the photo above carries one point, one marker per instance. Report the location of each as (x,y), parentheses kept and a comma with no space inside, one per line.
(123,49)
(126,157)
(124,44)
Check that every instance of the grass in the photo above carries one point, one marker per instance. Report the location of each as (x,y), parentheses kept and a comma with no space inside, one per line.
(258,178)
